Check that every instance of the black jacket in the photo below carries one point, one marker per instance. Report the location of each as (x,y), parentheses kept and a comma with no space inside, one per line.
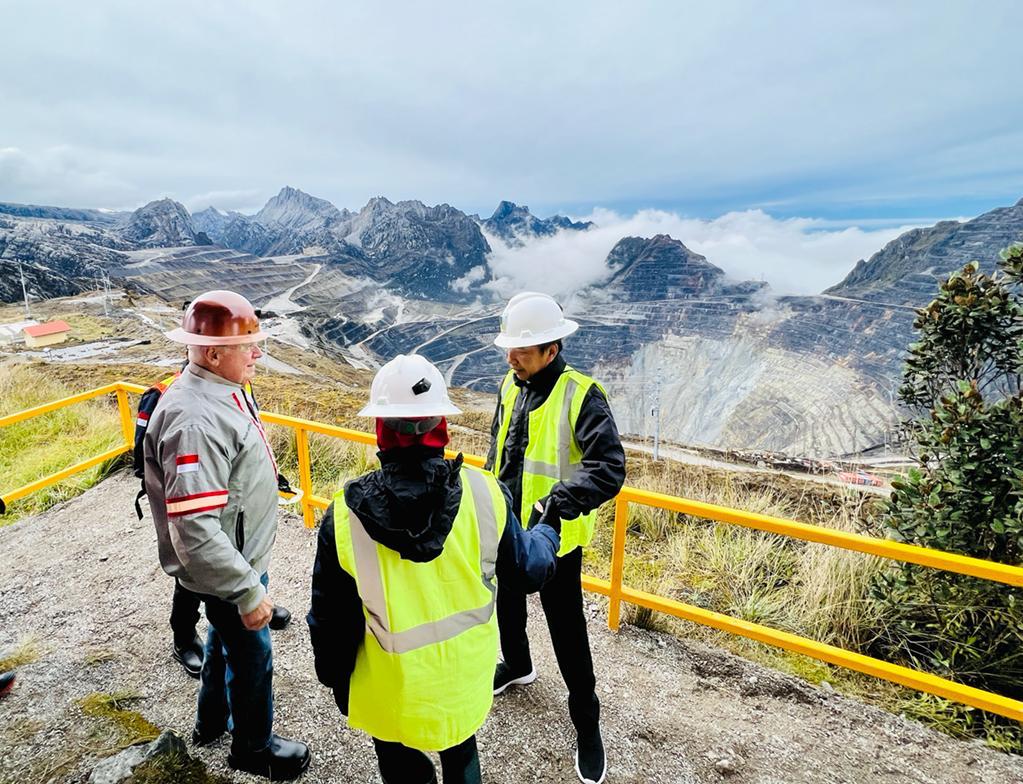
(409,506)
(603,460)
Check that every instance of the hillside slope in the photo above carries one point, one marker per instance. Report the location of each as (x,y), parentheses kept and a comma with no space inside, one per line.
(672,710)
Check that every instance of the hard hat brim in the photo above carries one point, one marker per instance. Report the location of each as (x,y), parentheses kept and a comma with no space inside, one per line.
(559,332)
(179,335)
(409,410)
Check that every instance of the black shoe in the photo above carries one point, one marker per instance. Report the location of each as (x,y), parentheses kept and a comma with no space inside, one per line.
(282,760)
(504,677)
(190,656)
(200,738)
(6,683)
(280,618)
(590,762)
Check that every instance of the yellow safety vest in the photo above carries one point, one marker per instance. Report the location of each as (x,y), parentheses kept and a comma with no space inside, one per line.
(424,674)
(552,454)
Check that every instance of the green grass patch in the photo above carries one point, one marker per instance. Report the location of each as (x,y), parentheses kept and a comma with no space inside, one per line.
(43,445)
(175,769)
(128,726)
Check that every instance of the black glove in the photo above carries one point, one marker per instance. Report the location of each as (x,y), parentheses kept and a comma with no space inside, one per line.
(545,511)
(341,698)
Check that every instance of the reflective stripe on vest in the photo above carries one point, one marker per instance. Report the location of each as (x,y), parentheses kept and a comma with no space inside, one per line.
(550,435)
(371,587)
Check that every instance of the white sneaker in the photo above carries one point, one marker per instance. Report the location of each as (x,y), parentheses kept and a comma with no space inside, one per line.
(503,678)
(595,760)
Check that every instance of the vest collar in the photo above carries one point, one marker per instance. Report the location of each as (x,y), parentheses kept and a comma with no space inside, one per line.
(543,382)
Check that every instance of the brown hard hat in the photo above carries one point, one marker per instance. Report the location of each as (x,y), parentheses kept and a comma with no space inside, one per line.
(218,318)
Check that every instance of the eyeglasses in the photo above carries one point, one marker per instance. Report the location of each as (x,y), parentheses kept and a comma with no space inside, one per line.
(244,348)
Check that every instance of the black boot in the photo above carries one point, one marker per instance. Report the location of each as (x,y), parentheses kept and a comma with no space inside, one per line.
(190,656)
(280,618)
(282,760)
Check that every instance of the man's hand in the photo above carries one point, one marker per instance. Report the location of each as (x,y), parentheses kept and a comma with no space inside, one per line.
(545,511)
(260,617)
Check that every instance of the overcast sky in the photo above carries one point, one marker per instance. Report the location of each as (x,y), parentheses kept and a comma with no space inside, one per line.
(868,114)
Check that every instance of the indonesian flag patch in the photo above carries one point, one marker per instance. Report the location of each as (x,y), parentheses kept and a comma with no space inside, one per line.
(143,419)
(187,463)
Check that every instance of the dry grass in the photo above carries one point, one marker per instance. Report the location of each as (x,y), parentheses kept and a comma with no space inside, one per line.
(808,589)
(25,652)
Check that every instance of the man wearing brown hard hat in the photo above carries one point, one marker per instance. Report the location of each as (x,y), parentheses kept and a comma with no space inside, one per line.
(211,479)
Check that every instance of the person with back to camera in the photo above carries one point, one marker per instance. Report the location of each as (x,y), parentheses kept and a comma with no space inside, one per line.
(408,561)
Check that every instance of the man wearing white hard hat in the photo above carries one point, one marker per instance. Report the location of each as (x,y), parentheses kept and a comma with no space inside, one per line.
(211,480)
(407,565)
(556,447)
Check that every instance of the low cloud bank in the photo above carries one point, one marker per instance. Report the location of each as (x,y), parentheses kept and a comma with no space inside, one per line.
(794,255)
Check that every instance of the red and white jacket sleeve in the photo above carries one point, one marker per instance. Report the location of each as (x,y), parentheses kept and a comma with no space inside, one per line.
(196,472)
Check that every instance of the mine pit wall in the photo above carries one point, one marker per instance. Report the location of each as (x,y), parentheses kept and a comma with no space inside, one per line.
(739,394)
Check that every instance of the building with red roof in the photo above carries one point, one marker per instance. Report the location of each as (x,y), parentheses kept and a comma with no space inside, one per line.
(48,334)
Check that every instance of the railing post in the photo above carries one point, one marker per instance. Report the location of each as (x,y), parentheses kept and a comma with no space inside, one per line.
(305,478)
(621,524)
(124,409)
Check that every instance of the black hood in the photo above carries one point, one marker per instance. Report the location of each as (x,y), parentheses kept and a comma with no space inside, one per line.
(410,504)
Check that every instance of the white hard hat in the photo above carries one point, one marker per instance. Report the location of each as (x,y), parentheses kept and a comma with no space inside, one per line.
(409,386)
(530,319)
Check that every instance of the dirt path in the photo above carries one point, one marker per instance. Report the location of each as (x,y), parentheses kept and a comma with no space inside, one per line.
(84,581)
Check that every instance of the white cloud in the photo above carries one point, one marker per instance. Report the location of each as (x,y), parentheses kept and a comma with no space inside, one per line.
(795,256)
(623,104)
(475,275)
(29,175)
(247,200)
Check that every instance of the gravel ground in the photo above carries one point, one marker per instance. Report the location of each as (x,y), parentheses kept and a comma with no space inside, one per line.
(83,580)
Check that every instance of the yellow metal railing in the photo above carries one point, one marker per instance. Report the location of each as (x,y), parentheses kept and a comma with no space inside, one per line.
(614,588)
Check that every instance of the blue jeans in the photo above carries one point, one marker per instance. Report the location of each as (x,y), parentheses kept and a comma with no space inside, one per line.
(236,685)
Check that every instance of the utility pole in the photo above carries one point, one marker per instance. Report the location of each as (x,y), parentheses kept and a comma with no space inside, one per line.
(24,291)
(106,293)
(656,411)
(102,285)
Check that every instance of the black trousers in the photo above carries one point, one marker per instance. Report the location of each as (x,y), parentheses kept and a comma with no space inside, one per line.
(562,600)
(401,765)
(184,614)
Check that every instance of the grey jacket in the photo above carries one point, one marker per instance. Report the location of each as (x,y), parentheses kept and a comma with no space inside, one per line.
(211,480)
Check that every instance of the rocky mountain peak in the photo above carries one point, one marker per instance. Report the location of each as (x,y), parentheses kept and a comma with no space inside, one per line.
(514,224)
(507,209)
(906,270)
(164,223)
(660,267)
(298,211)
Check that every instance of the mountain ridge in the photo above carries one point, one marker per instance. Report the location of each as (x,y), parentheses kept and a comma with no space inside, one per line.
(746,368)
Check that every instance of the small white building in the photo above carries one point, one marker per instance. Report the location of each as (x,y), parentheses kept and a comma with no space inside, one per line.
(12,332)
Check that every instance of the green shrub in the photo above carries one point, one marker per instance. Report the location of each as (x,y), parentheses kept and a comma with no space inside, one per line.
(962,390)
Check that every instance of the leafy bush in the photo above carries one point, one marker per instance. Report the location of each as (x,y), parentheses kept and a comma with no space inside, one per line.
(962,389)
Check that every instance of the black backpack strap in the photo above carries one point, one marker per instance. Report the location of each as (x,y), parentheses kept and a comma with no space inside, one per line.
(138,497)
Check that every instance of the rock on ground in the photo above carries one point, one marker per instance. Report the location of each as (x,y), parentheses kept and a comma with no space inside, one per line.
(84,581)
